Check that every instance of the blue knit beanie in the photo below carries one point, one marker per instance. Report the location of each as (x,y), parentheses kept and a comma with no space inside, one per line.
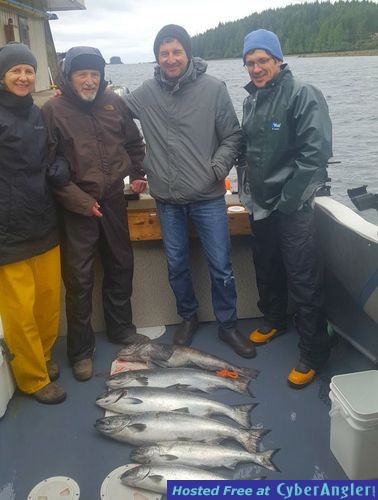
(265,40)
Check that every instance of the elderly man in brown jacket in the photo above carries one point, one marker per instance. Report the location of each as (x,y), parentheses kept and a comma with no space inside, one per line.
(93,143)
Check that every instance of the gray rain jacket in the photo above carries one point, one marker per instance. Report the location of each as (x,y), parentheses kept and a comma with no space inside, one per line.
(191,131)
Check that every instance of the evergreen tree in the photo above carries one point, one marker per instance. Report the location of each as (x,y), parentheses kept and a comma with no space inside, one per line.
(302,28)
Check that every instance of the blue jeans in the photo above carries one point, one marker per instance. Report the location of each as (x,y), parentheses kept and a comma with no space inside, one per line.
(211,224)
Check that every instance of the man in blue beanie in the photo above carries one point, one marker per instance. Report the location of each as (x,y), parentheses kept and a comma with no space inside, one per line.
(288,141)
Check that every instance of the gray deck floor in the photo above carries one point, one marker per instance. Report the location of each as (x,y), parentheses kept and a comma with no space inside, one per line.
(39,441)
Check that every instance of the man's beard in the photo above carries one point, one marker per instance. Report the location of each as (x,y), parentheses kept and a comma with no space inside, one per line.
(88,97)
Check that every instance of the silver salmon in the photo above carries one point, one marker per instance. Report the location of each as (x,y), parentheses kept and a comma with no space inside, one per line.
(196,454)
(155,477)
(190,379)
(142,399)
(175,356)
(151,427)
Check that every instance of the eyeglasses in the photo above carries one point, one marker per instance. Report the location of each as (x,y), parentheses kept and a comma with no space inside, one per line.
(259,62)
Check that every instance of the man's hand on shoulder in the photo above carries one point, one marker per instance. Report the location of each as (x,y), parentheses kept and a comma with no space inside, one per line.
(138,186)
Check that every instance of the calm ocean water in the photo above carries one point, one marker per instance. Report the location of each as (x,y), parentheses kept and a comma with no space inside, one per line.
(350,87)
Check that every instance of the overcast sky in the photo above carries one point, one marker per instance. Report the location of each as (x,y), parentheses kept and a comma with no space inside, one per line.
(127,28)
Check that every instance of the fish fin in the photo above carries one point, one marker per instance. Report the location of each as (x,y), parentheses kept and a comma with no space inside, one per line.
(241,414)
(241,385)
(133,401)
(252,437)
(182,410)
(137,427)
(249,389)
(179,386)
(169,458)
(266,459)
(156,478)
(251,373)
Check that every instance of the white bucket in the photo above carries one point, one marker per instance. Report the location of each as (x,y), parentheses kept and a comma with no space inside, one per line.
(354,423)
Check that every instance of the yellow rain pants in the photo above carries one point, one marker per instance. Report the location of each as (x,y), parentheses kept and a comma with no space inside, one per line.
(30,309)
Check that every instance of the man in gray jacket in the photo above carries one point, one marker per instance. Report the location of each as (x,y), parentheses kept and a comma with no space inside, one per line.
(193,138)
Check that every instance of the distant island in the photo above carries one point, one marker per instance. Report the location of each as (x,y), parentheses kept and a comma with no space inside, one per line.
(115,60)
(309,28)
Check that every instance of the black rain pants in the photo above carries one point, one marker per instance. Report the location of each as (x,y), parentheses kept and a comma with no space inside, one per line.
(286,258)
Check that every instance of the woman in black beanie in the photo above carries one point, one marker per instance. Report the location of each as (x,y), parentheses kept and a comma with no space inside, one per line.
(29,251)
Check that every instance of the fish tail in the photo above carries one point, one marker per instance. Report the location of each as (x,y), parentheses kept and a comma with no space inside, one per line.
(241,385)
(251,373)
(251,439)
(265,459)
(241,414)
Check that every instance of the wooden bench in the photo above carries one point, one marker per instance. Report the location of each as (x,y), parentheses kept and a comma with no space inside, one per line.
(144,222)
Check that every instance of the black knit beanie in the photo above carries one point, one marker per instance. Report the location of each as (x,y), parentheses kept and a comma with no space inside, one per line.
(87,61)
(13,54)
(176,32)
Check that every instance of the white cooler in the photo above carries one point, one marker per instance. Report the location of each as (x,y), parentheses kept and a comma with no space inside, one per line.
(7,386)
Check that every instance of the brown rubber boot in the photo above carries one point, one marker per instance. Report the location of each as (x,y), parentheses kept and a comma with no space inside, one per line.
(134,338)
(52,370)
(50,394)
(242,346)
(83,370)
(185,331)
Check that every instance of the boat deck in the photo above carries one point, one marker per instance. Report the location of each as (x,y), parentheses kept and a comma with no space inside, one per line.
(39,441)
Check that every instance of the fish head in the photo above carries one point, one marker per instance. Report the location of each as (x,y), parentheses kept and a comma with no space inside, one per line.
(110,397)
(136,475)
(144,454)
(115,382)
(135,352)
(112,425)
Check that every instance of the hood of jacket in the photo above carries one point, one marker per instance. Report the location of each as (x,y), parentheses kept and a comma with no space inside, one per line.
(64,80)
(196,67)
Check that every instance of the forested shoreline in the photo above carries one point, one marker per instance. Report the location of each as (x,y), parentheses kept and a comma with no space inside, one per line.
(302,28)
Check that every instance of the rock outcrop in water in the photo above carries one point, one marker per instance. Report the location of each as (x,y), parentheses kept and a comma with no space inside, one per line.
(115,60)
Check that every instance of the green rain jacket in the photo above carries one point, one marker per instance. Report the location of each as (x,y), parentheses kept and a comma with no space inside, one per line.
(288,141)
